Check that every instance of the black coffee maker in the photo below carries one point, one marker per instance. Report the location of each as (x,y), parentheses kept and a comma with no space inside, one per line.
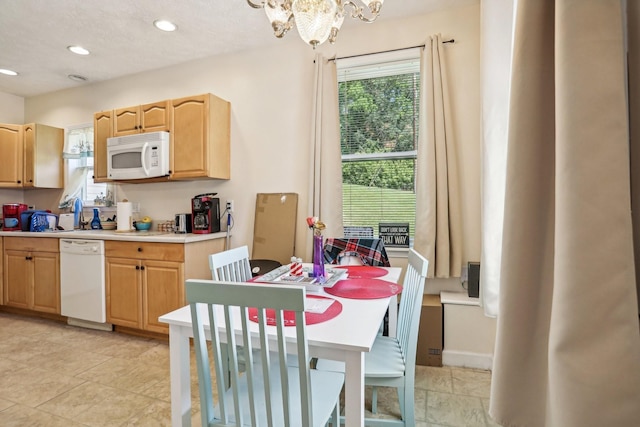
(205,214)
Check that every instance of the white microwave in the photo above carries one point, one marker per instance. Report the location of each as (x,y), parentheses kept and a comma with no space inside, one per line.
(139,156)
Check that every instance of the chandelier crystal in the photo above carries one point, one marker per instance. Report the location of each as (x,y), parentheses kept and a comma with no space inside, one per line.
(316,20)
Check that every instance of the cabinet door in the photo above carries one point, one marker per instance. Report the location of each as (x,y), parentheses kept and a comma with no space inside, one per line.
(201,138)
(102,129)
(155,117)
(46,282)
(43,167)
(17,277)
(11,147)
(124,292)
(29,138)
(126,121)
(189,149)
(163,291)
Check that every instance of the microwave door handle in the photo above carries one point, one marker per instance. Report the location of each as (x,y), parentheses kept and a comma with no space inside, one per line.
(145,148)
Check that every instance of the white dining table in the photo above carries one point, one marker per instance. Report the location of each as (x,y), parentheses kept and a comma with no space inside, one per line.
(346,338)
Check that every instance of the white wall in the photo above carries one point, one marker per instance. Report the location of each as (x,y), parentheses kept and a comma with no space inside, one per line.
(11,108)
(270,95)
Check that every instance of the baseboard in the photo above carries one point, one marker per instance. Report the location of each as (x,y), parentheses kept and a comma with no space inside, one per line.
(467,359)
(90,325)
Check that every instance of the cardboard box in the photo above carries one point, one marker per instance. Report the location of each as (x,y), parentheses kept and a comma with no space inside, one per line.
(430,334)
(274,229)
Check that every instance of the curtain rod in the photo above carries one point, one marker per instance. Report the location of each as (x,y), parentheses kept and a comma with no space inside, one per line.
(387,51)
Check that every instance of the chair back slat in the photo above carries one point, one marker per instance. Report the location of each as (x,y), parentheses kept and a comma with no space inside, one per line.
(248,357)
(265,355)
(410,304)
(232,265)
(284,374)
(303,358)
(204,374)
(265,392)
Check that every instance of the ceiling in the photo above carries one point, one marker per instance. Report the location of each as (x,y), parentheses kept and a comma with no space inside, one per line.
(34,35)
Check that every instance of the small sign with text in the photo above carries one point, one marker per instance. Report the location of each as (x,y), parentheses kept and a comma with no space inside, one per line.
(394,234)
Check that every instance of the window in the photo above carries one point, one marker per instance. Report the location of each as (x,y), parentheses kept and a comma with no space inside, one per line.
(78,155)
(378,106)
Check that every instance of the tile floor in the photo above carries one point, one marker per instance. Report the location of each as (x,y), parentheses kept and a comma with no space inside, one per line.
(54,375)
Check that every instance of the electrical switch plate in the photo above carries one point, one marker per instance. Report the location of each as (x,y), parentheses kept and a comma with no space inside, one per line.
(230,205)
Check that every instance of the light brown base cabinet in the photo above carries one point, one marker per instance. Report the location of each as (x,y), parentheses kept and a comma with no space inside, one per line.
(146,280)
(31,274)
(1,272)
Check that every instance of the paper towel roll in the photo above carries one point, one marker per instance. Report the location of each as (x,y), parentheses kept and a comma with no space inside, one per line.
(124,216)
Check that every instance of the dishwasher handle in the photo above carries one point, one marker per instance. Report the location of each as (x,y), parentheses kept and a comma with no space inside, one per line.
(82,247)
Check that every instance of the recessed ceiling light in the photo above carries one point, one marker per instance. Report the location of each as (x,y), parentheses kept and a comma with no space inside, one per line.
(77,78)
(164,25)
(78,50)
(8,72)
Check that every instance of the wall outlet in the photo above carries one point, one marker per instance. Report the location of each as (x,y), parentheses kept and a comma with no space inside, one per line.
(230,205)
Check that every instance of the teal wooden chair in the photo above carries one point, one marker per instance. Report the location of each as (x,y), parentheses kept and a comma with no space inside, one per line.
(269,392)
(392,361)
(232,265)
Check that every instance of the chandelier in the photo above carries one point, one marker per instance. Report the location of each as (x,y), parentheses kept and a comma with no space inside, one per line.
(316,20)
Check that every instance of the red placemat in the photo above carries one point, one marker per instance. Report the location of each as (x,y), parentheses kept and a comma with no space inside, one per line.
(364,289)
(363,271)
(290,316)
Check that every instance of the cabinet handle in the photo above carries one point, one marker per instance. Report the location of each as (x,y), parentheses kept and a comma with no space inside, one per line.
(28,258)
(142,268)
(139,249)
(137,267)
(19,182)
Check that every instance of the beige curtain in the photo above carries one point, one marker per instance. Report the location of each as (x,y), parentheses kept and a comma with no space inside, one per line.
(438,223)
(567,347)
(325,192)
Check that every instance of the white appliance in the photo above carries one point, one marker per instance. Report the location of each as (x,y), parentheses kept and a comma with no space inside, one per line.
(139,156)
(82,283)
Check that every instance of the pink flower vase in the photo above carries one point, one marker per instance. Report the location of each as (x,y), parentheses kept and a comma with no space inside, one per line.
(318,258)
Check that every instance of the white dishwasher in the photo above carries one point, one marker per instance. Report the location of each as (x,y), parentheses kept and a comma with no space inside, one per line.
(82,283)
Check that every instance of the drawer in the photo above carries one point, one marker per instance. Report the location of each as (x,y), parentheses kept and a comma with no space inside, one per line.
(39,244)
(145,250)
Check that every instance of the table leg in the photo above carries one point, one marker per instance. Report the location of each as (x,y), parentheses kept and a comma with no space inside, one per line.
(393,315)
(354,389)
(179,362)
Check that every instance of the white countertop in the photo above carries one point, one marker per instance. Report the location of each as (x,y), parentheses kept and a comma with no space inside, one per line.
(133,236)
(458,298)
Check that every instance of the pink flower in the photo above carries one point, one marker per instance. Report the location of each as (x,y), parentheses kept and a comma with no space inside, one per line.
(311,221)
(316,225)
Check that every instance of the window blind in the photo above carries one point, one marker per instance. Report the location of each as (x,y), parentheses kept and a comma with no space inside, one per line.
(378,105)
